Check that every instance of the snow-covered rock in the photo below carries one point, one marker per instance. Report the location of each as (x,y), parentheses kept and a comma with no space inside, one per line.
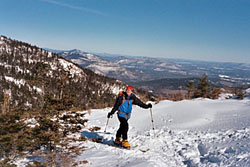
(248,91)
(225,96)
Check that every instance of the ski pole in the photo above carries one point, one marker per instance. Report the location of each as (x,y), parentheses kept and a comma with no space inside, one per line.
(106,125)
(151,113)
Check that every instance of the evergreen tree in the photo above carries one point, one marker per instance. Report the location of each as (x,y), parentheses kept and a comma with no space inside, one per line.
(215,92)
(191,88)
(13,135)
(202,88)
(238,93)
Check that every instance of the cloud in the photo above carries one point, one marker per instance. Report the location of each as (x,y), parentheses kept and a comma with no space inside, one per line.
(75,7)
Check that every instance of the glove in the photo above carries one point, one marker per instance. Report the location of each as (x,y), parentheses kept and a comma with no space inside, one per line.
(149,105)
(109,115)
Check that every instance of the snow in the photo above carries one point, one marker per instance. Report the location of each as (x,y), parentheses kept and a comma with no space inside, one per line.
(16,81)
(104,69)
(53,66)
(248,91)
(7,91)
(17,68)
(28,104)
(39,90)
(223,76)
(68,66)
(159,69)
(1,40)
(30,61)
(31,122)
(225,96)
(5,65)
(22,82)
(200,132)
(116,90)
(49,54)
(178,72)
(92,57)
(174,67)
(123,61)
(77,61)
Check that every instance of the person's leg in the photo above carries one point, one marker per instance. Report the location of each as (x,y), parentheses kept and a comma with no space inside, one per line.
(123,129)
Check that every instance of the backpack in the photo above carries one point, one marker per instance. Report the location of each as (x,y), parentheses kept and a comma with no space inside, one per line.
(125,108)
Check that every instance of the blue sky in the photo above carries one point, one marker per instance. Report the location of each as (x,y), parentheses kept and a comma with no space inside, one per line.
(210,30)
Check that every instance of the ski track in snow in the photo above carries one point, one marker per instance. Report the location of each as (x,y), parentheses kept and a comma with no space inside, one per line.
(198,132)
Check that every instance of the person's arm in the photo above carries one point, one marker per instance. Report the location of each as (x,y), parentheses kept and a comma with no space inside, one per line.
(116,106)
(138,102)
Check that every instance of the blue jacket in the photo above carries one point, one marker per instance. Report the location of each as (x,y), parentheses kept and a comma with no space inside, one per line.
(124,105)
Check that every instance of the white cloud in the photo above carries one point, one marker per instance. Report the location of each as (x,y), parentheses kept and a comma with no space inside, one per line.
(75,7)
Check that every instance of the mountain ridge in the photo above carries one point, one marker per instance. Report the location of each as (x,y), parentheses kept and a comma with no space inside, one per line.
(138,70)
(33,76)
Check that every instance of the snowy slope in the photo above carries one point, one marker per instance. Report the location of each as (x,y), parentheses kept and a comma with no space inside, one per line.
(96,64)
(198,132)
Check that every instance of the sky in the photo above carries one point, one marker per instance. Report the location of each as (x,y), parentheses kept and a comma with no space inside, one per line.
(209,30)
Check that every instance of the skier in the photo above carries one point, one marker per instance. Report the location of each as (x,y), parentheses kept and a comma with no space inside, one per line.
(124,106)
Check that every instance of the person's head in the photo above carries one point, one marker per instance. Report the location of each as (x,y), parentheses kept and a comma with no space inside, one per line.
(129,90)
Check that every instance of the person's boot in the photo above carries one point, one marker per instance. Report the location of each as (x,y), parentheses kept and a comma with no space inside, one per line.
(125,144)
(118,141)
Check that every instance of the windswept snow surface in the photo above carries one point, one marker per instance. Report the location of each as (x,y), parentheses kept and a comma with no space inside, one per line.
(198,132)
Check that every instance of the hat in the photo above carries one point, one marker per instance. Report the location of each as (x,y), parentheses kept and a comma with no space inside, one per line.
(130,87)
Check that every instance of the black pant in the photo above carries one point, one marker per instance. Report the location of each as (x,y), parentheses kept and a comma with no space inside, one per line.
(123,129)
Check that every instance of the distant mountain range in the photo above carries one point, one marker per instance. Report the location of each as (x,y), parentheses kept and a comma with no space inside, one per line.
(163,72)
(32,77)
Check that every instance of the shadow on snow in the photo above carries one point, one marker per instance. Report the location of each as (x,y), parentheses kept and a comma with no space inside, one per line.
(97,137)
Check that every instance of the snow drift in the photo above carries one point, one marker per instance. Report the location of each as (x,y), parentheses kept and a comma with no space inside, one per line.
(200,132)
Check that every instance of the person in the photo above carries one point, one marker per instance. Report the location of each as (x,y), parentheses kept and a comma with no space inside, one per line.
(123,104)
